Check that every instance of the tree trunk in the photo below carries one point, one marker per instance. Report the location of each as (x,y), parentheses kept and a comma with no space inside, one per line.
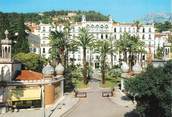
(125,56)
(66,58)
(130,60)
(111,59)
(62,58)
(84,66)
(103,69)
(73,52)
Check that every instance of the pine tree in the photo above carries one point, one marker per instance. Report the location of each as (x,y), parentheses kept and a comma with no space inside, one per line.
(22,44)
(4,24)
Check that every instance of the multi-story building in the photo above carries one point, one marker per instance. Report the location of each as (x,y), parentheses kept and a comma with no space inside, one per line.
(100,30)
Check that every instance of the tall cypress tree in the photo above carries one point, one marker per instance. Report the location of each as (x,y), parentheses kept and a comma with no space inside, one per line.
(22,44)
(4,24)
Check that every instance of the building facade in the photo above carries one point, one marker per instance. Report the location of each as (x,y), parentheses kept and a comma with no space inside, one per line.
(101,30)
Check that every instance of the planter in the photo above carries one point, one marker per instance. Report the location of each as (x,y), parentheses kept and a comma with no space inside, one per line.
(137,68)
(124,67)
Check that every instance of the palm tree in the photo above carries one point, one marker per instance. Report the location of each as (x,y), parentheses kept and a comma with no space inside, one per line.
(122,45)
(111,53)
(136,47)
(104,48)
(84,40)
(66,23)
(130,44)
(58,43)
(138,25)
(72,47)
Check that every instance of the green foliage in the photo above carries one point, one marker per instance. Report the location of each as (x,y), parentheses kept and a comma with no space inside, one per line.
(90,16)
(30,61)
(14,23)
(22,44)
(104,48)
(77,78)
(115,72)
(130,44)
(58,43)
(159,53)
(84,40)
(46,17)
(4,24)
(153,91)
(166,26)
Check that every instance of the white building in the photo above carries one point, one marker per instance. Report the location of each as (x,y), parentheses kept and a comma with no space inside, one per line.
(100,30)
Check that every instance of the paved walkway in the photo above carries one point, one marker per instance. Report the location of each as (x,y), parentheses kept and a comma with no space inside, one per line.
(97,106)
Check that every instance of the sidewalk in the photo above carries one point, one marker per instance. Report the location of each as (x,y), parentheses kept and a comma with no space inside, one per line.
(55,111)
(121,99)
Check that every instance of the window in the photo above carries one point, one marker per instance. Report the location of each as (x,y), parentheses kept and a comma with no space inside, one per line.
(149,44)
(97,26)
(120,29)
(106,36)
(97,57)
(114,57)
(34,49)
(134,30)
(114,29)
(101,26)
(129,30)
(43,51)
(87,51)
(101,36)
(43,29)
(125,29)
(143,36)
(149,36)
(143,57)
(143,30)
(149,29)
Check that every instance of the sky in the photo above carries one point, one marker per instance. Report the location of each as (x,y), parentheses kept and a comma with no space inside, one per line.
(120,10)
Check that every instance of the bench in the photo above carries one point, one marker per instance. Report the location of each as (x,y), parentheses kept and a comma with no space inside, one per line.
(108,93)
(80,94)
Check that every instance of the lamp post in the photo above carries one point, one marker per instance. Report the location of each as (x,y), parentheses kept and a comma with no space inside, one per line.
(43,96)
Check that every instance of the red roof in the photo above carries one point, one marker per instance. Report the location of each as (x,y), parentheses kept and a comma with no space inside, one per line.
(29,75)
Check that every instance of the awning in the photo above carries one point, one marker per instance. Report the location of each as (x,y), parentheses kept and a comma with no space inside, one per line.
(25,94)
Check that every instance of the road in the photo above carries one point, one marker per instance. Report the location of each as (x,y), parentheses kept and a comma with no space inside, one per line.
(97,106)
